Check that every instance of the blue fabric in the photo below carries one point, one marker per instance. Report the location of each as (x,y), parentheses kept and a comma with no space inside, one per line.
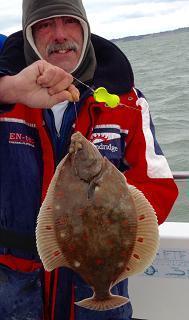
(22,143)
(2,40)
(63,294)
(20,295)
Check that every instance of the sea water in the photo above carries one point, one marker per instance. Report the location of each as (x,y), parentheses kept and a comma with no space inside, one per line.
(161,68)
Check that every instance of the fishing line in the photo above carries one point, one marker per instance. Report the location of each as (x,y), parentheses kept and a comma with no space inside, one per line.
(76,114)
(101,94)
(84,84)
(75,107)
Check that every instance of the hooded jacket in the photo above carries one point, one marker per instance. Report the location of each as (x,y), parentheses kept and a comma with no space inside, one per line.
(114,72)
(61,285)
(36,10)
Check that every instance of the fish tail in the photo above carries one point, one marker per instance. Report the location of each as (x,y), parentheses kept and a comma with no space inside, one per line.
(112,302)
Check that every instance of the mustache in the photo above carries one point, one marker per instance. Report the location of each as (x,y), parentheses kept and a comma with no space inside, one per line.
(66,45)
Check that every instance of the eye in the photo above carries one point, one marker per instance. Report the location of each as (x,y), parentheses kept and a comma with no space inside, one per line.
(43,25)
(70,20)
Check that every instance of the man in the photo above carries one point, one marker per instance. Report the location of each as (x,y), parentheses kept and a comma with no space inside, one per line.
(41,106)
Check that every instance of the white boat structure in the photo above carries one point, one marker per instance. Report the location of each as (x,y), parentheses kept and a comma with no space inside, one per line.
(162,291)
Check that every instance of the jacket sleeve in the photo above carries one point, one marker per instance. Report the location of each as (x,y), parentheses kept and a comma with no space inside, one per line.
(149,170)
(12,60)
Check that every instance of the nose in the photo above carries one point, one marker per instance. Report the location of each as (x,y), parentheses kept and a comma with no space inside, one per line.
(60,30)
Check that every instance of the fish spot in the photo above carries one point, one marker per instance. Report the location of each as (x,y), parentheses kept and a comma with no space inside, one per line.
(80,212)
(85,236)
(140,239)
(62,235)
(125,222)
(56,253)
(123,254)
(129,207)
(48,228)
(59,194)
(127,242)
(97,188)
(107,221)
(142,217)
(71,247)
(110,242)
(77,264)
(120,264)
(136,256)
(61,221)
(128,269)
(99,262)
(77,230)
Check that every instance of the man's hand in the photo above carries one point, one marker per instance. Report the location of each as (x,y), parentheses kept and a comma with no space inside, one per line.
(40,85)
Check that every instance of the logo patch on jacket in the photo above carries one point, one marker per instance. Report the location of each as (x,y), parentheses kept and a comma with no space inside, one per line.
(19,138)
(107,139)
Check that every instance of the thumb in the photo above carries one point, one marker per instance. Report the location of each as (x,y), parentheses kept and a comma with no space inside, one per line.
(60,97)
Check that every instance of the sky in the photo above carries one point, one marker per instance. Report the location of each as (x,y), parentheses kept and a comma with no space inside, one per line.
(114,19)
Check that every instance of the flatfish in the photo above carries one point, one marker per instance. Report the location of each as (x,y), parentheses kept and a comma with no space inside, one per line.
(95,223)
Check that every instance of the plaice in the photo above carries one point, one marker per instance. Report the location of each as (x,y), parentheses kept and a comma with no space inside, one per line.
(93,222)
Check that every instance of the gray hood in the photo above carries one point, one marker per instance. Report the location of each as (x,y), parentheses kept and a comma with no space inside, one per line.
(35,10)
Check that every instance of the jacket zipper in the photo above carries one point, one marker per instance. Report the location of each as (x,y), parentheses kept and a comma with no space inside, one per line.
(50,139)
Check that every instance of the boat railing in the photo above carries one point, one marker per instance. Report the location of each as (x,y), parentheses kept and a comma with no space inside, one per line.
(181,175)
(180,211)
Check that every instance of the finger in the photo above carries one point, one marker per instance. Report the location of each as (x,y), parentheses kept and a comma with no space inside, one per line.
(60,97)
(52,76)
(74,92)
(61,86)
(58,87)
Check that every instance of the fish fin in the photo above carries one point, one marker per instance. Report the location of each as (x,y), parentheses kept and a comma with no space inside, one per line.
(112,302)
(47,244)
(147,237)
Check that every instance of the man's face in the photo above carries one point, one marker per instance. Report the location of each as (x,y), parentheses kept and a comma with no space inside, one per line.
(59,40)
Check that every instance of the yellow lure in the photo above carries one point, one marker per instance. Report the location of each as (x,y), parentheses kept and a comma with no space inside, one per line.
(102,95)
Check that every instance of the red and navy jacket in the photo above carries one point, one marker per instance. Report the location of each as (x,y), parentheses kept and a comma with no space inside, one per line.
(30,149)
